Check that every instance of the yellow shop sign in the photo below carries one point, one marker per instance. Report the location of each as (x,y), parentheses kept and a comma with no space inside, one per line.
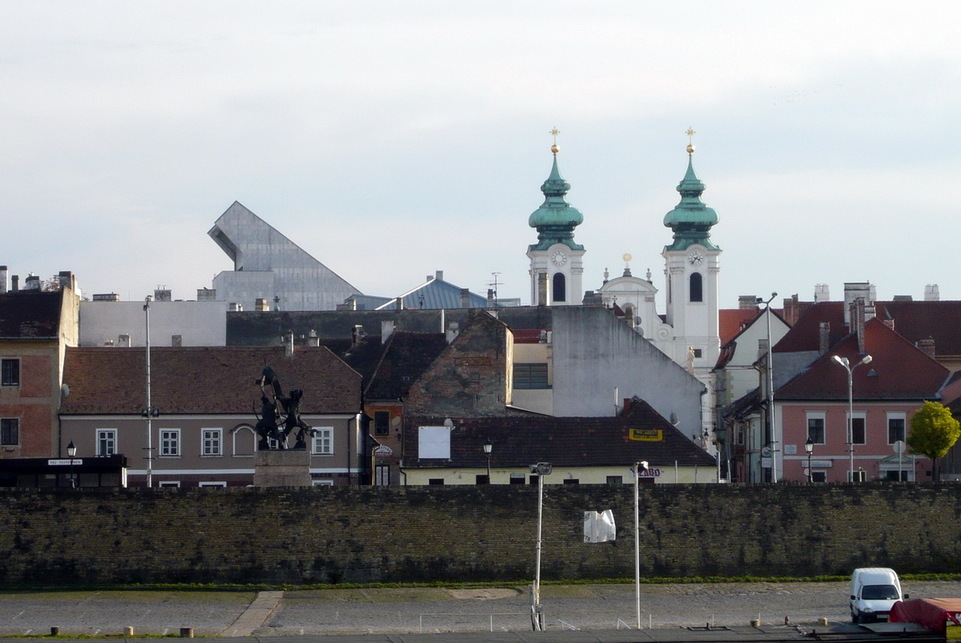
(646,435)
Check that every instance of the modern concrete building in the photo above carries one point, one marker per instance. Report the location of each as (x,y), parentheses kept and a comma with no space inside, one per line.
(270,267)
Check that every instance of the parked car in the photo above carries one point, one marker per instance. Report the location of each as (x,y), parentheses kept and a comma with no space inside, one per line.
(874,590)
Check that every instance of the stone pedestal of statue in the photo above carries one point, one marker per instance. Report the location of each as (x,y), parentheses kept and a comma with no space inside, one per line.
(289,468)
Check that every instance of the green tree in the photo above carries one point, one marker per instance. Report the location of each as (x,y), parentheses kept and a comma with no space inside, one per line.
(933,431)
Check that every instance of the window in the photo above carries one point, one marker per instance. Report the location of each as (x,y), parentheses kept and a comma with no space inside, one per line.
(244,442)
(482,478)
(571,481)
(173,484)
(435,482)
(323,441)
(106,442)
(170,443)
(381,422)
(322,482)
(530,376)
(816,428)
(10,372)
(697,287)
(518,478)
(214,484)
(857,430)
(212,442)
(560,287)
(819,476)
(10,432)
(895,427)
(615,480)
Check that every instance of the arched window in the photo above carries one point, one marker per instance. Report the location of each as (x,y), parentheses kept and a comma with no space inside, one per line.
(560,287)
(696,287)
(244,441)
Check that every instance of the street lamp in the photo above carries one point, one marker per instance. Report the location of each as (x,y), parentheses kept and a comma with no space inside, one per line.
(541,470)
(71,452)
(148,411)
(488,447)
(846,363)
(637,539)
(772,436)
(809,447)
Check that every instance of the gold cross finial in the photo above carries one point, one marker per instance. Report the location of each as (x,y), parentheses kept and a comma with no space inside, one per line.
(554,132)
(690,140)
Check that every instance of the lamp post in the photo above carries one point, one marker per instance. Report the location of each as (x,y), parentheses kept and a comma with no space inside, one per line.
(771,436)
(541,469)
(148,411)
(488,447)
(809,447)
(637,541)
(846,363)
(71,452)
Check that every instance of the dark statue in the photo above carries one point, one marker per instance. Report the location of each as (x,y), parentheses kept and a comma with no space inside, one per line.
(279,415)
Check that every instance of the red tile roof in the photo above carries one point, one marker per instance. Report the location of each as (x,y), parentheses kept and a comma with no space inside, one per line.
(202,380)
(898,371)
(731,321)
(564,441)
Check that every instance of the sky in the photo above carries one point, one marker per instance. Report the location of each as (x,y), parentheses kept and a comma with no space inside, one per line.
(391,140)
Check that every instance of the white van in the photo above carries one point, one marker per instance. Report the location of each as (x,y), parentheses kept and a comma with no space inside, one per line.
(873,591)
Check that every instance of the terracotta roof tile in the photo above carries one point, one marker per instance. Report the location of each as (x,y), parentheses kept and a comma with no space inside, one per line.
(202,380)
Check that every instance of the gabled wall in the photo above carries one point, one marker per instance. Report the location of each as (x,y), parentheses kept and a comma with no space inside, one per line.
(599,361)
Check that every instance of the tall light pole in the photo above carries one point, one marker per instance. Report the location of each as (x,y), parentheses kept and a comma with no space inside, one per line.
(148,411)
(771,436)
(637,540)
(542,470)
(846,363)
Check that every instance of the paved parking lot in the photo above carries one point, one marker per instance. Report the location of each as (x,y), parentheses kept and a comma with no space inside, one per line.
(376,611)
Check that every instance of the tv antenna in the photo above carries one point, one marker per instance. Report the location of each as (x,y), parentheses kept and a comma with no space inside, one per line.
(493,286)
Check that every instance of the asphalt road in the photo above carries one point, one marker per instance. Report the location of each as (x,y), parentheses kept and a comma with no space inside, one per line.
(428,610)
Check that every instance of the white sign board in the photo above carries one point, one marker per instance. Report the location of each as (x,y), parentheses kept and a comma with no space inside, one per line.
(433,442)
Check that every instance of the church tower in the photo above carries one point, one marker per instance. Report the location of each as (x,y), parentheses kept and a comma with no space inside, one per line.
(557,264)
(691,271)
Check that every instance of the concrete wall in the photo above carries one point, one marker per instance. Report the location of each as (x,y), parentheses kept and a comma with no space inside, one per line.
(594,353)
(478,533)
(199,323)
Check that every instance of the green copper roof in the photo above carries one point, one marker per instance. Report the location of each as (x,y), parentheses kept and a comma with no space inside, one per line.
(691,219)
(556,219)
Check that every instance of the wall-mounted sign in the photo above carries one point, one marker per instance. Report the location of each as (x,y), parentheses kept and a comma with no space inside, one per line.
(645,435)
(383,451)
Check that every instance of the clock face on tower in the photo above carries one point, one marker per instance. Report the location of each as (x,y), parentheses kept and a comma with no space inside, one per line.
(695,258)
(558,258)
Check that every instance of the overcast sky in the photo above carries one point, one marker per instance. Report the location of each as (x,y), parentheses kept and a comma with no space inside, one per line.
(394,139)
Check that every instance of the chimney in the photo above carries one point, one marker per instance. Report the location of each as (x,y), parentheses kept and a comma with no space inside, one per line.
(357,335)
(260,305)
(235,307)
(123,340)
(464,298)
(65,278)
(747,302)
(927,346)
(386,330)
(862,290)
(3,279)
(821,293)
(161,294)
(289,344)
(931,293)
(106,296)
(15,283)
(32,282)
(542,297)
(206,294)
(856,325)
(312,338)
(439,275)
(177,340)
(453,330)
(824,338)
(400,303)
(490,297)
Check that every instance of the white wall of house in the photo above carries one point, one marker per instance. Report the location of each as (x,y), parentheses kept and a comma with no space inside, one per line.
(198,323)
